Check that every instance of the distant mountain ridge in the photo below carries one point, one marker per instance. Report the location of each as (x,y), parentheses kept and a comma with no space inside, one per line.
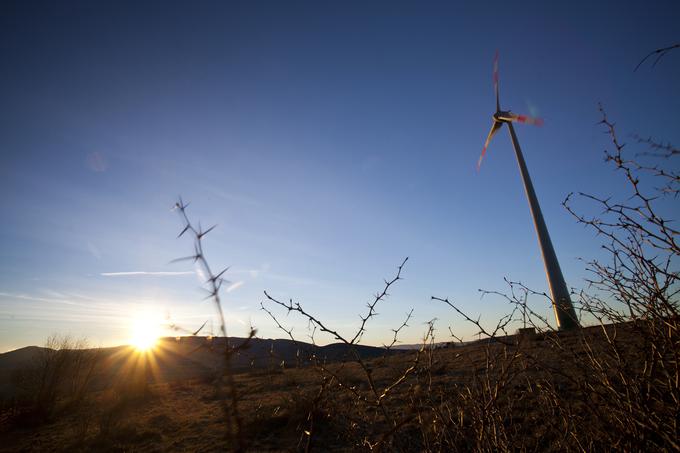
(176,358)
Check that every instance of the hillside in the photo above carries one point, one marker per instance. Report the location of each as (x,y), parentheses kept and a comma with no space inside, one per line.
(512,393)
(178,358)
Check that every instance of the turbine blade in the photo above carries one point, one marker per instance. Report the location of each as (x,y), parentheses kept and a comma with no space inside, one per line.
(524,119)
(494,128)
(495,82)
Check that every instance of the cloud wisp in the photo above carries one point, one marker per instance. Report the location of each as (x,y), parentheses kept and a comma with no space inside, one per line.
(147,273)
(235,285)
(38,299)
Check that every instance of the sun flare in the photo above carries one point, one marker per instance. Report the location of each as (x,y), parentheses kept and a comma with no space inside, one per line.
(145,333)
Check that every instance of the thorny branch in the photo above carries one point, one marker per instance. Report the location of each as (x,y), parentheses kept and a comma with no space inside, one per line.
(641,242)
(398,329)
(378,397)
(500,325)
(660,53)
(214,282)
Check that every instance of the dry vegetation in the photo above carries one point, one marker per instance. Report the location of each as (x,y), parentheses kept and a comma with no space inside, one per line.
(512,393)
(612,386)
(61,372)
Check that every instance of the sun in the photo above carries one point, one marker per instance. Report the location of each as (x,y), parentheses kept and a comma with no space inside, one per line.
(145,333)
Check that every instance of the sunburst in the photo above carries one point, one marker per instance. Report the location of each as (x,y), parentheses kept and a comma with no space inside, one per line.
(145,331)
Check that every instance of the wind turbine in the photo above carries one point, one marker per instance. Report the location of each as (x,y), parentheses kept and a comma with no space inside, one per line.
(564,310)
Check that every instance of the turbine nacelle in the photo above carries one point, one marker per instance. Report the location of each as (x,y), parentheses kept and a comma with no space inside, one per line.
(509,117)
(502,116)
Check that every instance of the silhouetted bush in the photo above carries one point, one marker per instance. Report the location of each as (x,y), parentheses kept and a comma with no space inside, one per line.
(61,372)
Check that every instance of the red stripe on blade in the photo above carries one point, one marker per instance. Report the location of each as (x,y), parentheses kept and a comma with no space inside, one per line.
(481,157)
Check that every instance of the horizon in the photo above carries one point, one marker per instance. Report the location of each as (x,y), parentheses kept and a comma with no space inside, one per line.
(328,143)
(210,338)
(399,346)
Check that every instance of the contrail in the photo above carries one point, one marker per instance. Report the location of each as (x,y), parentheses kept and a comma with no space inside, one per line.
(160,273)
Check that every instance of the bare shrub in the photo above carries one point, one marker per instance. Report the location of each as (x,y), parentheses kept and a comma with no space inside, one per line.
(61,372)
(367,405)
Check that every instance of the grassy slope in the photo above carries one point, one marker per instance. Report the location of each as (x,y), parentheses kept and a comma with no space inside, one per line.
(187,416)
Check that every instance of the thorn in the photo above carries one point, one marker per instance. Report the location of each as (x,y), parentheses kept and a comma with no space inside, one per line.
(220,274)
(186,228)
(200,235)
(200,328)
(186,258)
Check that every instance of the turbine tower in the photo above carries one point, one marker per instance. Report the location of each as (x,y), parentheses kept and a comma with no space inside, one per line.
(564,310)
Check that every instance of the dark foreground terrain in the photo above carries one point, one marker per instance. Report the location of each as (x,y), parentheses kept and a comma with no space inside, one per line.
(596,389)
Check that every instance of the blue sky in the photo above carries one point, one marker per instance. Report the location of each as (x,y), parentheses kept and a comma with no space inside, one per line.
(327,140)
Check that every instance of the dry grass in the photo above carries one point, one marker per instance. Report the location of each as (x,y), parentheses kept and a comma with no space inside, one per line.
(479,396)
